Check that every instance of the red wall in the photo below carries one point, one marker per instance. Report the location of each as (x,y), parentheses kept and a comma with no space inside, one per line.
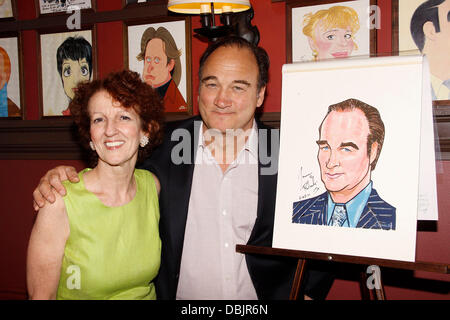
(19,177)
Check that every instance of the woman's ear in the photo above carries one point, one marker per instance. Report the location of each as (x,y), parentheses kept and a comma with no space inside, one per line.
(153,126)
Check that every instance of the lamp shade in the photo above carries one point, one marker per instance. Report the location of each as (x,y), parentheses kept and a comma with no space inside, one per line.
(203,6)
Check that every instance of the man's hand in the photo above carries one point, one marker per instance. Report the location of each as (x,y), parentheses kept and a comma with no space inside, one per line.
(51,183)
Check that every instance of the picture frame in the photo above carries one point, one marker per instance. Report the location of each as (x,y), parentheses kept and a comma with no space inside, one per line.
(8,10)
(404,44)
(12,95)
(179,85)
(299,47)
(133,3)
(59,7)
(59,77)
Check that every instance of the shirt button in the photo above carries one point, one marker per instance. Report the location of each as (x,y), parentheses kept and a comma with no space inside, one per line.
(224,212)
(226,245)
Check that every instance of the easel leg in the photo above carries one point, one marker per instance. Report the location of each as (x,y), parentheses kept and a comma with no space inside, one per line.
(365,292)
(296,285)
(380,291)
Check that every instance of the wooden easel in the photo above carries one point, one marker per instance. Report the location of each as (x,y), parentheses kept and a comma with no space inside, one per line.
(304,256)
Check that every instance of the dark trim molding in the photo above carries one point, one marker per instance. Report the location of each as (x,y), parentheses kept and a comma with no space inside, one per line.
(57,138)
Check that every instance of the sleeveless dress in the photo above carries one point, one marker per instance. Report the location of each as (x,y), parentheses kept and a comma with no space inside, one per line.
(112,252)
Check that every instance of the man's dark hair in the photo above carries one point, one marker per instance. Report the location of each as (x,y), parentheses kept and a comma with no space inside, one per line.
(427,11)
(376,125)
(261,56)
(74,48)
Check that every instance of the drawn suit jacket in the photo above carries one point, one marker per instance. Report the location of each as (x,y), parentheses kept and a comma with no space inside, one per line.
(272,276)
(377,213)
(173,100)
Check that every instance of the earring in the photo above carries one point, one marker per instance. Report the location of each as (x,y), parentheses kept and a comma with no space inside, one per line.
(91,144)
(144,141)
(315,54)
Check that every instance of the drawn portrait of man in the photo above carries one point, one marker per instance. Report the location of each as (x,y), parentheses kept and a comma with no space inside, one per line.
(351,137)
(430,30)
(162,67)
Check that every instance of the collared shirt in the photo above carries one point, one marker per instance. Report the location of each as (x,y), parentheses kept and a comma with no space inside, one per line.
(441,91)
(222,213)
(354,207)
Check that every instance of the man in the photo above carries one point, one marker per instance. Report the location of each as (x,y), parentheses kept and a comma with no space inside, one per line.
(162,67)
(351,138)
(430,29)
(217,195)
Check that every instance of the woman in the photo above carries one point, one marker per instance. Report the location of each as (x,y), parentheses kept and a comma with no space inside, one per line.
(74,63)
(331,32)
(101,240)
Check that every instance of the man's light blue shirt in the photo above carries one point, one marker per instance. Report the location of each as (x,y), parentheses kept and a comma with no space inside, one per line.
(355,207)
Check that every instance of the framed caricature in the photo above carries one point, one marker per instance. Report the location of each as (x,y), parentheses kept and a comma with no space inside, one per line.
(7,9)
(160,50)
(61,6)
(319,30)
(421,26)
(66,58)
(139,2)
(11,86)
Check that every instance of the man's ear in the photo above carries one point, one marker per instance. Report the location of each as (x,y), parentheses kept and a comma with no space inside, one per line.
(429,30)
(260,96)
(373,152)
(171,65)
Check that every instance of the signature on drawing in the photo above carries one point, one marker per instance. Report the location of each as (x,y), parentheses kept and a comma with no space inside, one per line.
(308,185)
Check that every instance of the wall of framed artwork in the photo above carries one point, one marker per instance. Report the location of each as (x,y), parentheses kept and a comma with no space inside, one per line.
(138,37)
(318,30)
(66,58)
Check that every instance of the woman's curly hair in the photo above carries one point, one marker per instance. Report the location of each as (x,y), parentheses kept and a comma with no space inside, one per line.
(127,88)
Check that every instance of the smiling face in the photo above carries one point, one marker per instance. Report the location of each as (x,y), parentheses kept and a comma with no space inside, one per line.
(115,130)
(228,94)
(156,69)
(332,43)
(73,72)
(343,158)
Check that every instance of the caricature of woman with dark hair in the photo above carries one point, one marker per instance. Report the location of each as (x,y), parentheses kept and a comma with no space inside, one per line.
(74,62)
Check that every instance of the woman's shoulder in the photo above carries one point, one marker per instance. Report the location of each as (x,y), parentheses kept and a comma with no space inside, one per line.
(147,178)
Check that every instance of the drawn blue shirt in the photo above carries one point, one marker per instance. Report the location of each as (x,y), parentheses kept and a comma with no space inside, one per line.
(4,101)
(354,207)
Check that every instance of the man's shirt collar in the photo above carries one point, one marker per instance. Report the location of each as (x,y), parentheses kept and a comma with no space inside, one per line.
(355,206)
